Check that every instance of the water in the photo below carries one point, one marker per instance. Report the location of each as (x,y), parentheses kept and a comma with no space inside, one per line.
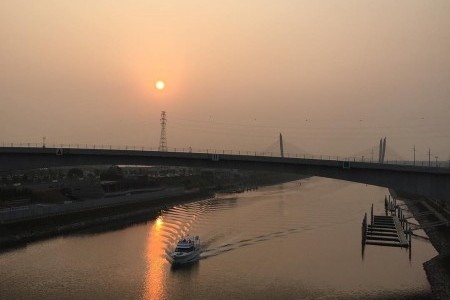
(288,241)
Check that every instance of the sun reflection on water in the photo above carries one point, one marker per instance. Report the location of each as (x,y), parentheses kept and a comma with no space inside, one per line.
(156,263)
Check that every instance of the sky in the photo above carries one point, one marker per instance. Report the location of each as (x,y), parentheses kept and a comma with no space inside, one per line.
(332,76)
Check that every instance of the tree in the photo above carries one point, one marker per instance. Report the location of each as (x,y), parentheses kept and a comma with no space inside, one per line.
(75,173)
(112,173)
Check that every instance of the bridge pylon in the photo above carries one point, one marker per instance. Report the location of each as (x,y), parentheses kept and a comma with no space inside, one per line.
(382,151)
(281,146)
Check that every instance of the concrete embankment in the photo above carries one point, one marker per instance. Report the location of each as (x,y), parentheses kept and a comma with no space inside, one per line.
(30,223)
(438,268)
(39,211)
(129,209)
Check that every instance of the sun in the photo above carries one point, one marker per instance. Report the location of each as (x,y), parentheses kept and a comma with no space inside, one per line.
(160,85)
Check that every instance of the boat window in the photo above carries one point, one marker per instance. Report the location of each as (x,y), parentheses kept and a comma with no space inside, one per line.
(184,249)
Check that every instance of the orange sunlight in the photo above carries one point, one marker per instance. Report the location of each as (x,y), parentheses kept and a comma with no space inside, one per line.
(160,85)
(154,279)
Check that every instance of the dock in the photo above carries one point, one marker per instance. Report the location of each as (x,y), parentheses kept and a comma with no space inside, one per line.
(388,230)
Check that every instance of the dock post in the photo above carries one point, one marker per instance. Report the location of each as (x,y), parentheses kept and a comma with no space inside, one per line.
(409,239)
(364,229)
(371,215)
(408,234)
(389,205)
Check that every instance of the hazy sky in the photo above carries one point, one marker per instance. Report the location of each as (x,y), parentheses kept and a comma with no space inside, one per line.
(332,76)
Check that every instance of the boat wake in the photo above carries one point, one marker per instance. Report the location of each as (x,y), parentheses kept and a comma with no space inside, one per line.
(220,223)
(210,252)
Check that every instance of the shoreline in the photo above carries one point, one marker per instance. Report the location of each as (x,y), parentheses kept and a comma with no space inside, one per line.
(22,233)
(44,211)
(19,229)
(437,269)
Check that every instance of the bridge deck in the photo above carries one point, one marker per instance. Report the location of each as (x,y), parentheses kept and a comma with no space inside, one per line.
(429,182)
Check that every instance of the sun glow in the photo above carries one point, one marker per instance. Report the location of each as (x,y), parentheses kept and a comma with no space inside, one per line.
(159,222)
(160,85)
(155,277)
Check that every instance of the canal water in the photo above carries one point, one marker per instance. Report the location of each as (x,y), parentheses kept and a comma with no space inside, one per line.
(298,240)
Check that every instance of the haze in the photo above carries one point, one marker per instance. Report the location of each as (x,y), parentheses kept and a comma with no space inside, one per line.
(332,76)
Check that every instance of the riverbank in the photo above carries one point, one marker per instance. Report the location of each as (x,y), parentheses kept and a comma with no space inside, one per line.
(126,208)
(21,233)
(438,268)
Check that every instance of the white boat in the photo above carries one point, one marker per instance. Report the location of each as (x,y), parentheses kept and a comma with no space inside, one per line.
(186,251)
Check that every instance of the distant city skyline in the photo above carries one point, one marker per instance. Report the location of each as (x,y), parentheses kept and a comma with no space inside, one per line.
(332,76)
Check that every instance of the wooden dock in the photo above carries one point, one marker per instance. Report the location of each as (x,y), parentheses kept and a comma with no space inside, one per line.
(388,230)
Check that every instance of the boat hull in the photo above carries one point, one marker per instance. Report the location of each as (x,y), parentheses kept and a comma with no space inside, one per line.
(185,259)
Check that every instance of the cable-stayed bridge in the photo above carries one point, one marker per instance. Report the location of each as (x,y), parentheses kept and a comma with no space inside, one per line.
(427,181)
(279,148)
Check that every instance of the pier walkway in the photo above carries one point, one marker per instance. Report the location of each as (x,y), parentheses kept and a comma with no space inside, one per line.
(385,231)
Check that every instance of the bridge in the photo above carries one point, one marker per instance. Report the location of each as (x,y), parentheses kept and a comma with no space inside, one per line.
(430,182)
